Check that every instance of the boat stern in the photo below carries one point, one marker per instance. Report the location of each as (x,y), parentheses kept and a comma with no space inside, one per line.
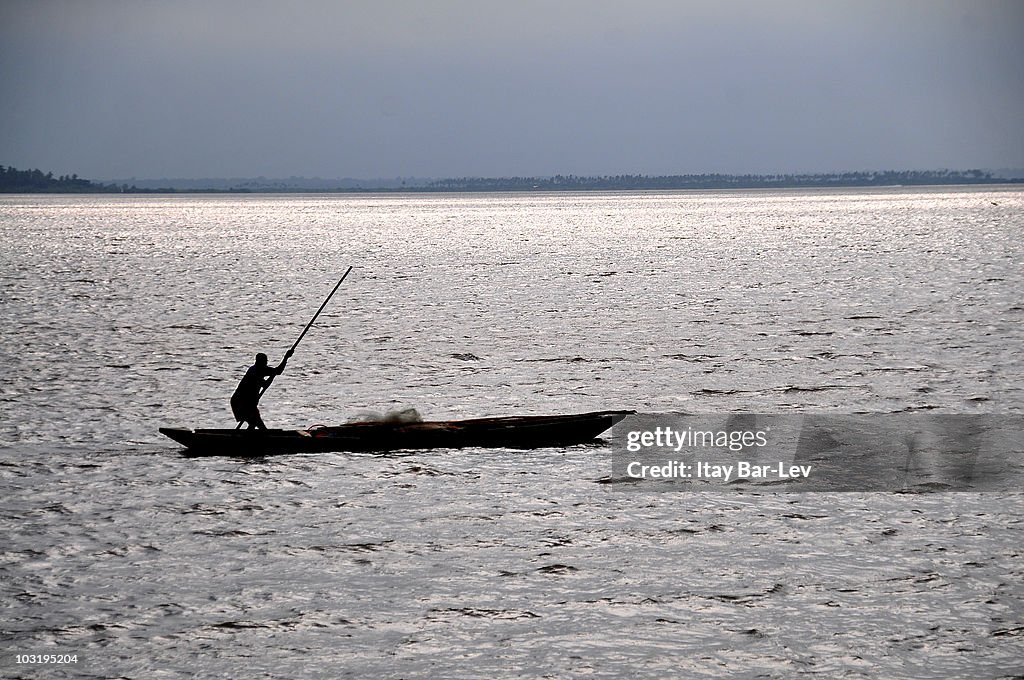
(178,434)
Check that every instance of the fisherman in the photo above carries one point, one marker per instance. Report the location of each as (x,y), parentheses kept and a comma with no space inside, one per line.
(245,401)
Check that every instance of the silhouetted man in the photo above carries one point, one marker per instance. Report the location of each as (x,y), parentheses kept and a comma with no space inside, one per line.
(245,401)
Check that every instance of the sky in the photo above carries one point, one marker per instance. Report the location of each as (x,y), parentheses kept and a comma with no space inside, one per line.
(114,89)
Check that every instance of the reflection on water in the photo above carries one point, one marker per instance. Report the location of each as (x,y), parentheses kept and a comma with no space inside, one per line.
(123,314)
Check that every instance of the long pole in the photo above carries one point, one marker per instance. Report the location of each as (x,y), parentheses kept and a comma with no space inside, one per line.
(308,325)
(305,330)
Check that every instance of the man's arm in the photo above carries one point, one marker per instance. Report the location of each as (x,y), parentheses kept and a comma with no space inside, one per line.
(280,367)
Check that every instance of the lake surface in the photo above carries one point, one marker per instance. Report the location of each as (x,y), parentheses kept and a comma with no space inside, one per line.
(122,314)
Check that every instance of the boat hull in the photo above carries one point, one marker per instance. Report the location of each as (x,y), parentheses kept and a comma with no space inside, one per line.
(511,432)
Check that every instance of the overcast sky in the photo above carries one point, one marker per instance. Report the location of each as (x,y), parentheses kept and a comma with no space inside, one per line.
(437,88)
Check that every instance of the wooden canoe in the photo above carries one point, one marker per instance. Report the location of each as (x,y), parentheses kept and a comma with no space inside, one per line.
(521,432)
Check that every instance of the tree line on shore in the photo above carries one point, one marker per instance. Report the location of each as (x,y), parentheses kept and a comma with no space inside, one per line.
(718,181)
(14,181)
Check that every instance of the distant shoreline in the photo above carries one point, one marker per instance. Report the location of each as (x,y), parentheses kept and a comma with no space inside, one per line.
(36,182)
(542,190)
(427,192)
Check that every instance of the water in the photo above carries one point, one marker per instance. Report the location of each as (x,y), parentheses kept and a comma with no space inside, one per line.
(124,314)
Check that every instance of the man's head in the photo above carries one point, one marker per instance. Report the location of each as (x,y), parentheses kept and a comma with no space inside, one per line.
(261,359)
